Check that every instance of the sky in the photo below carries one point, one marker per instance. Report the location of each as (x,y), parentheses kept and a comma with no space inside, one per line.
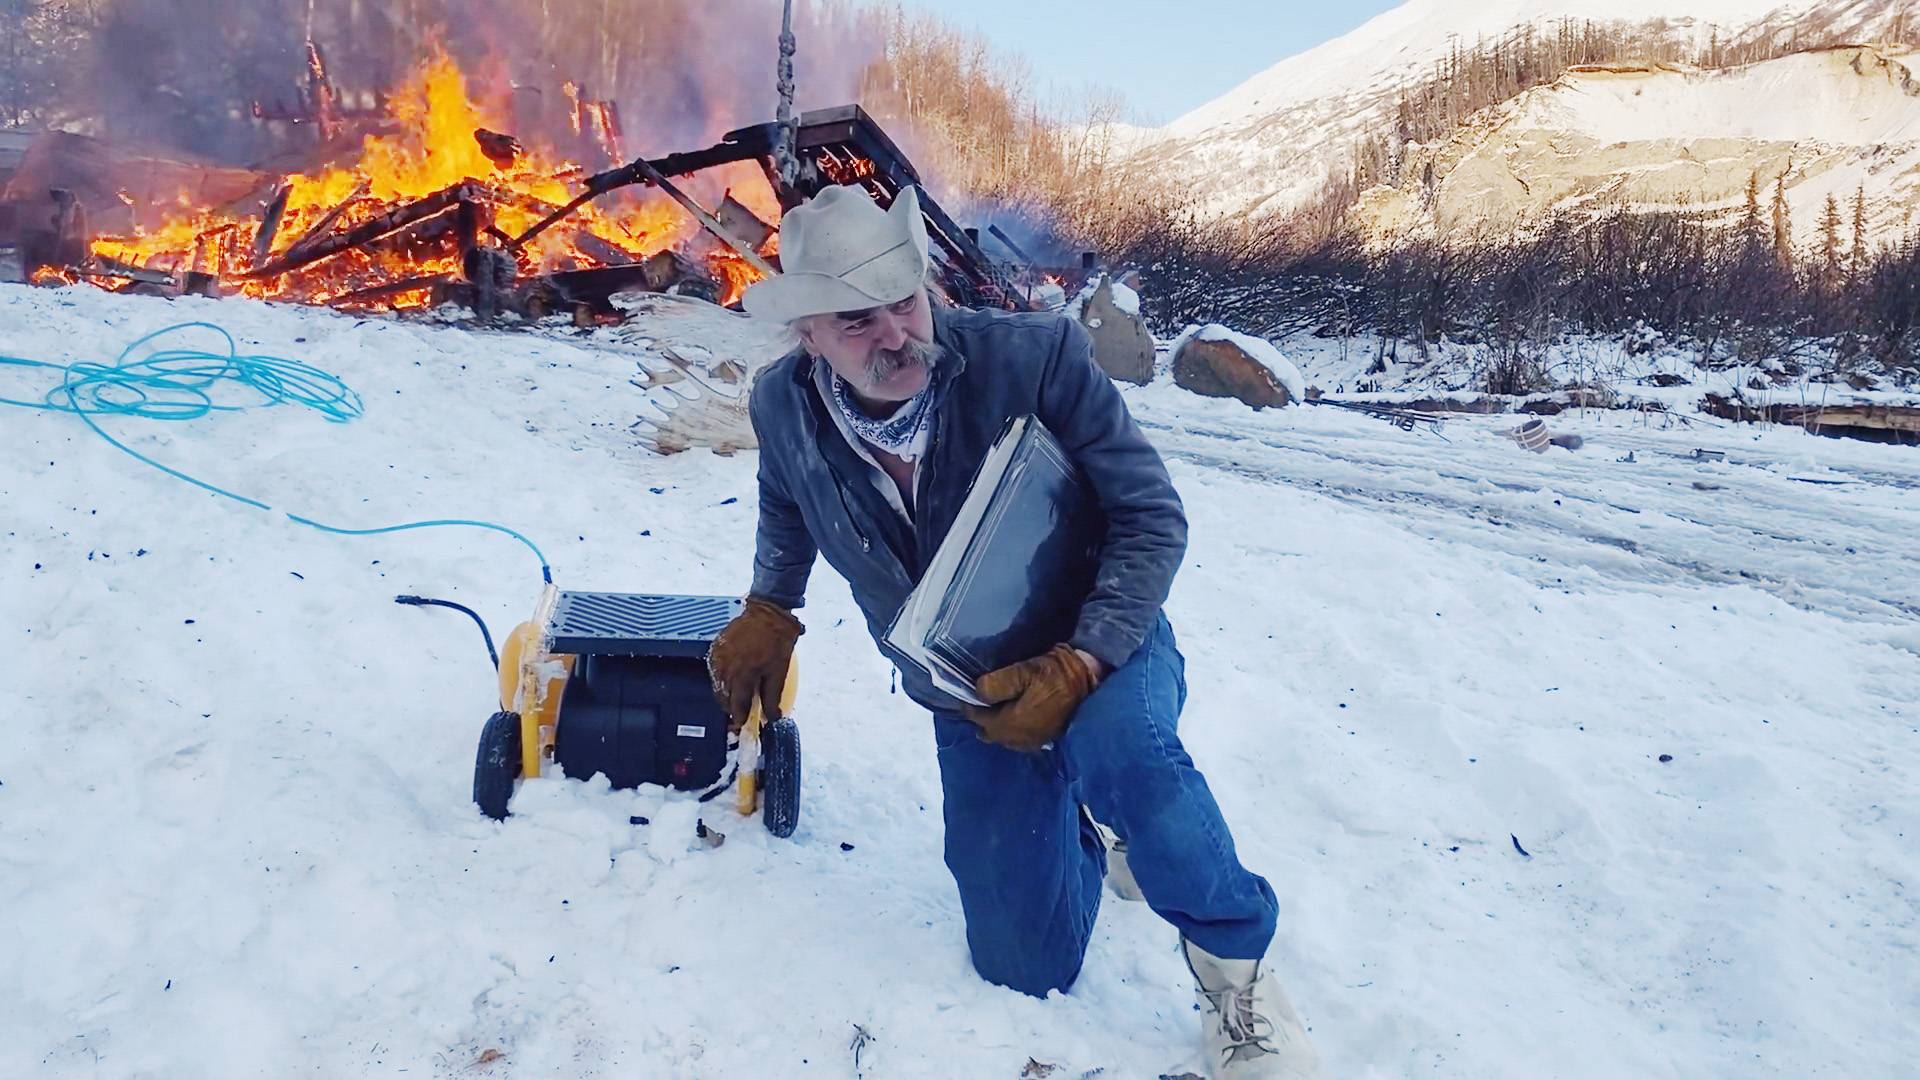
(1165,57)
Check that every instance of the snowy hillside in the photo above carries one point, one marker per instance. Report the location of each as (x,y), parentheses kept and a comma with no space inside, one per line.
(1675,138)
(1269,143)
(1562,765)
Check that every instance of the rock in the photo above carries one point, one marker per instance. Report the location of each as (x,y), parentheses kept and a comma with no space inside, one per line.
(1121,345)
(1221,368)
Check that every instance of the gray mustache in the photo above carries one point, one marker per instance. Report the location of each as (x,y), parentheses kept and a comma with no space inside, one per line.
(887,364)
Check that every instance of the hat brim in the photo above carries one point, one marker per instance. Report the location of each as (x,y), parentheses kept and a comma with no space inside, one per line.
(796,296)
(888,278)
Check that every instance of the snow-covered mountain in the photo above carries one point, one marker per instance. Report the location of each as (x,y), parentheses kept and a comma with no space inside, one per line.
(1270,143)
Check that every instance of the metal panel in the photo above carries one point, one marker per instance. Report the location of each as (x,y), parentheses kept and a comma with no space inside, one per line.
(639,624)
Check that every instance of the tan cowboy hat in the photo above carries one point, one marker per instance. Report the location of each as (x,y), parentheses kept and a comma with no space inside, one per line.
(841,252)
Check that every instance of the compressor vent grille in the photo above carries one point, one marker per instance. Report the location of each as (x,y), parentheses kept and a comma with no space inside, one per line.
(639,624)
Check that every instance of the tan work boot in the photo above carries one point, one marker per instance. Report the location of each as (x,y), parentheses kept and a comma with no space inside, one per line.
(1249,1027)
(1119,877)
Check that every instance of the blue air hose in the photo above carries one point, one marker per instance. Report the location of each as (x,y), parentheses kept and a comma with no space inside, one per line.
(179,383)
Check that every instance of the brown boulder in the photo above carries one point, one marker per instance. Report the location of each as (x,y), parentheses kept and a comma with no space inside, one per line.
(1121,345)
(1223,369)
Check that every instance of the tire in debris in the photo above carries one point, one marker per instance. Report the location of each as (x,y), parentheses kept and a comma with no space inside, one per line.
(498,764)
(780,765)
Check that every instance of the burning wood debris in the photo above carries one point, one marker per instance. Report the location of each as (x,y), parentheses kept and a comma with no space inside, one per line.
(437,203)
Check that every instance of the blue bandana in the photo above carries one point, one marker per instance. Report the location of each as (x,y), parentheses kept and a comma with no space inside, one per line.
(903,433)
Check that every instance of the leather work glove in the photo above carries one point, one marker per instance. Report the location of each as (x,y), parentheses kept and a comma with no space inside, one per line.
(1031,701)
(751,656)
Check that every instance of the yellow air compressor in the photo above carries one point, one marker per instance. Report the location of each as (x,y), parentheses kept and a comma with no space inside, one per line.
(617,684)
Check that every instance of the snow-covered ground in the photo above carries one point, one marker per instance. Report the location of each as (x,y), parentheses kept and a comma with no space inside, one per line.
(1562,765)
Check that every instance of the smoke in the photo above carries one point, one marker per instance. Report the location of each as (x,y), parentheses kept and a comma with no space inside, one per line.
(1030,229)
(184,75)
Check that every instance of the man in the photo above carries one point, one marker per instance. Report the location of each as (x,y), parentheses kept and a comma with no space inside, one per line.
(870,435)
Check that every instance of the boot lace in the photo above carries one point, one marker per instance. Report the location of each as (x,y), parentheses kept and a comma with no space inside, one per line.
(1249,1034)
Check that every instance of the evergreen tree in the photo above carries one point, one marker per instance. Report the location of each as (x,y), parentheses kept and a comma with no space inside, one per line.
(1857,256)
(1830,240)
(1782,224)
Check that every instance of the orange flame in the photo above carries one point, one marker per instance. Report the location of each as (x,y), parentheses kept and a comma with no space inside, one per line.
(433,148)
(850,170)
(51,275)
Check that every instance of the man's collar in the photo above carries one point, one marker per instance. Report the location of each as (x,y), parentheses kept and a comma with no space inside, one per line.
(952,360)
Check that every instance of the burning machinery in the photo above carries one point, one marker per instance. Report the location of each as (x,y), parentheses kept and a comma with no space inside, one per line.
(441,205)
(834,146)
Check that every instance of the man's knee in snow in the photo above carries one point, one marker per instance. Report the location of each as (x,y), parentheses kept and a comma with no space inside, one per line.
(1030,972)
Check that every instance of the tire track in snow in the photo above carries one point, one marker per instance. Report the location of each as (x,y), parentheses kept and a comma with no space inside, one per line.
(1844,549)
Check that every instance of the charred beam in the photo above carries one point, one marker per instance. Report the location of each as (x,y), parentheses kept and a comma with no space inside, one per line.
(743,223)
(657,274)
(432,237)
(707,220)
(367,232)
(602,250)
(746,144)
(491,272)
(469,219)
(270,224)
(102,266)
(325,225)
(375,294)
(666,269)
(210,248)
(70,239)
(994,230)
(550,220)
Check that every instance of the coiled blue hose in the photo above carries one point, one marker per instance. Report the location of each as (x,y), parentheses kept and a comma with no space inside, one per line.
(178,383)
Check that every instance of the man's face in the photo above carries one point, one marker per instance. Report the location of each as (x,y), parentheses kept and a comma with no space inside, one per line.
(886,353)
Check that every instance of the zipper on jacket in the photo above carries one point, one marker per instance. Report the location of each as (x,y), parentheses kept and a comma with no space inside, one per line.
(921,512)
(852,521)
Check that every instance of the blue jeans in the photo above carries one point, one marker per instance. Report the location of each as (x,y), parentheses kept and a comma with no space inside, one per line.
(1028,865)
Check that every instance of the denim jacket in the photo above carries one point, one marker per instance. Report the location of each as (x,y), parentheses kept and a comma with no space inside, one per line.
(817,498)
